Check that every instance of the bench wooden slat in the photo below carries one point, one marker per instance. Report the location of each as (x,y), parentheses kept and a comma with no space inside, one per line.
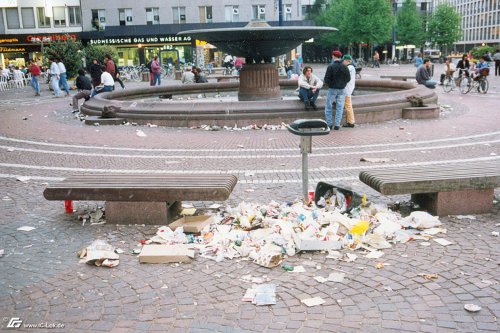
(435,178)
(133,187)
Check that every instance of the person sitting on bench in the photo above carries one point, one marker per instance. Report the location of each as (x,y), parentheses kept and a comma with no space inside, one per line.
(309,87)
(107,83)
(423,75)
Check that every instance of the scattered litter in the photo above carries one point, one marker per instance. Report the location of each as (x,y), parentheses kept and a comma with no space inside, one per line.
(164,286)
(320,279)
(26,228)
(425,244)
(119,251)
(215,206)
(288,268)
(23,178)
(140,133)
(387,288)
(313,301)
(27,246)
(380,265)
(249,190)
(336,277)
(429,277)
(442,241)
(249,295)
(264,294)
(6,198)
(467,217)
(99,253)
(2,251)
(193,224)
(375,159)
(374,255)
(299,269)
(495,233)
(472,307)
(421,220)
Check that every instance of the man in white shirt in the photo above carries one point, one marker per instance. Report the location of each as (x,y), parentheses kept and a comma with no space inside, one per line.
(107,83)
(63,80)
(309,86)
(54,77)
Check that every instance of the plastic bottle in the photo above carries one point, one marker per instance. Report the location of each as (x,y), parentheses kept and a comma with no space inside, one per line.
(68,206)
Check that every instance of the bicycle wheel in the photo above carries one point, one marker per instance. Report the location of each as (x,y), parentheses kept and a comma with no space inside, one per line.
(465,85)
(448,84)
(483,86)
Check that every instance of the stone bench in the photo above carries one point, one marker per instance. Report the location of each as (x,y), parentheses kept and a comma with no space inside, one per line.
(398,77)
(445,189)
(220,78)
(142,199)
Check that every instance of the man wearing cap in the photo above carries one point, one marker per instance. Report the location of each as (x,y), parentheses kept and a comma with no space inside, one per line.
(309,86)
(349,113)
(336,78)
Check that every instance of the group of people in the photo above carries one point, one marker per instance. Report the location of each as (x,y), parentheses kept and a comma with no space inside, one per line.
(193,75)
(340,79)
(464,66)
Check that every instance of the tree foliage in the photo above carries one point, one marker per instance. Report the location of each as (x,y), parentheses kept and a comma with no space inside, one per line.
(409,24)
(479,51)
(97,52)
(69,51)
(337,15)
(371,21)
(444,26)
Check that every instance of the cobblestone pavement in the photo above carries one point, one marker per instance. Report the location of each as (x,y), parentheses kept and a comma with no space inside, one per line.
(42,282)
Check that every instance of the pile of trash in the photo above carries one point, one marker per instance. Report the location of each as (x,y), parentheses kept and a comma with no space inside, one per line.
(269,233)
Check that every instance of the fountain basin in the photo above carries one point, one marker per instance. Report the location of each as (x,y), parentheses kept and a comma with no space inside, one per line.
(377,107)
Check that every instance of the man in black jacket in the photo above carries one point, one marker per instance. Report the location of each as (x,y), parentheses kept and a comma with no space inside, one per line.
(336,78)
(84,87)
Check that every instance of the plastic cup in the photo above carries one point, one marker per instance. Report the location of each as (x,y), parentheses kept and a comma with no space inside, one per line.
(68,206)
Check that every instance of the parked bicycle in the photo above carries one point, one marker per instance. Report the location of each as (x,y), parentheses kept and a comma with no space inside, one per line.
(451,82)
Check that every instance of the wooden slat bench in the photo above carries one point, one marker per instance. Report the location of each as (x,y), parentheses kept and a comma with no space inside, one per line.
(398,77)
(445,189)
(142,199)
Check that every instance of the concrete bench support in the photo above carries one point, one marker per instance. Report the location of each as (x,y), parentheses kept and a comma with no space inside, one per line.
(421,112)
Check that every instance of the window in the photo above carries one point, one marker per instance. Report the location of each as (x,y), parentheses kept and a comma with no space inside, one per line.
(287,12)
(259,12)
(28,17)
(205,14)
(75,16)
(99,19)
(232,14)
(59,16)
(179,14)
(43,20)
(152,16)
(125,16)
(12,18)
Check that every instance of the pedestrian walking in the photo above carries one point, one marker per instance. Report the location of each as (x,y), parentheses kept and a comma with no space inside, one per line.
(376,59)
(309,87)
(117,76)
(63,79)
(496,58)
(349,112)
(54,77)
(336,78)
(156,71)
(35,71)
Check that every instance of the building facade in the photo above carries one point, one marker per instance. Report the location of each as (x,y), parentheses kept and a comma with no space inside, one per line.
(26,28)
(480,22)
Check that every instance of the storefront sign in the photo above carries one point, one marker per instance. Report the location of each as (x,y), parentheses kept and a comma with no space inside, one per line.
(142,40)
(9,40)
(12,49)
(53,37)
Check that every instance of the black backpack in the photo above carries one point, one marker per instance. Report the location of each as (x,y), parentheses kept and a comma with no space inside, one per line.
(148,65)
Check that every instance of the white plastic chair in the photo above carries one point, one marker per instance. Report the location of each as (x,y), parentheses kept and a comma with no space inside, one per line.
(18,80)
(4,83)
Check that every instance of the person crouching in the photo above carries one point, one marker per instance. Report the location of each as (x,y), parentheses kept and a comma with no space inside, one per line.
(309,87)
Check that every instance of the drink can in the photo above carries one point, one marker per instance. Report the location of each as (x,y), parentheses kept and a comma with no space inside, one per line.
(68,206)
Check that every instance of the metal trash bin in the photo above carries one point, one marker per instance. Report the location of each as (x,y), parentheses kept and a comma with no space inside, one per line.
(146,77)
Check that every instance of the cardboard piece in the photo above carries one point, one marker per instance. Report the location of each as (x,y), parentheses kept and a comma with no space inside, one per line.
(159,254)
(192,224)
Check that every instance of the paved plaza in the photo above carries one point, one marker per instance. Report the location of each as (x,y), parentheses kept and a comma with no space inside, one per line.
(41,280)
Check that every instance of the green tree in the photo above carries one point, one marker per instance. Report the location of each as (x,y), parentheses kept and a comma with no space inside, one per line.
(372,21)
(409,24)
(444,26)
(338,15)
(69,51)
(479,51)
(97,52)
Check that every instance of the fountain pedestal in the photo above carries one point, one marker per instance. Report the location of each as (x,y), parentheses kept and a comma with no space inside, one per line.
(259,82)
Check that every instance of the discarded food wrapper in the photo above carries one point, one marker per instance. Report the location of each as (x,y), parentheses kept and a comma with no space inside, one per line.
(442,241)
(472,307)
(99,253)
(265,294)
(26,228)
(313,301)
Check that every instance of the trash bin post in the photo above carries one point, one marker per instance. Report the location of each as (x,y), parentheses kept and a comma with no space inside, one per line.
(306,128)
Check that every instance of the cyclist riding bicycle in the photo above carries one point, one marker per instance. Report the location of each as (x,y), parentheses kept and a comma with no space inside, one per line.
(464,65)
(482,69)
